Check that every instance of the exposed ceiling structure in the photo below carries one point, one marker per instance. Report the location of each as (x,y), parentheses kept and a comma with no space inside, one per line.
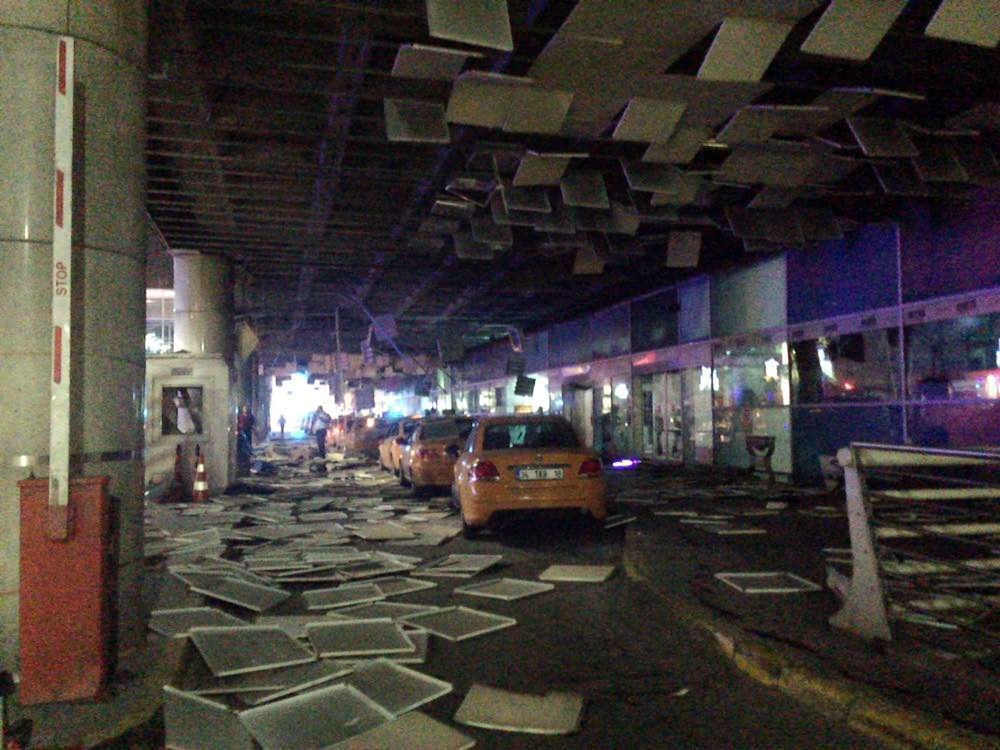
(464,166)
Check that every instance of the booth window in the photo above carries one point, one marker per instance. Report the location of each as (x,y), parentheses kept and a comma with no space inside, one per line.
(852,368)
(182,410)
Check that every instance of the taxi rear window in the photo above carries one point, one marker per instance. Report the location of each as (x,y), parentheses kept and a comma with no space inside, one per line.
(534,434)
(446,429)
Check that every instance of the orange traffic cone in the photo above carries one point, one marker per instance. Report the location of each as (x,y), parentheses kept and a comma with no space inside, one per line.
(177,491)
(200,489)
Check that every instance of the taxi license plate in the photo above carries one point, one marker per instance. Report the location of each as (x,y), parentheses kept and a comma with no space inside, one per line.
(529,474)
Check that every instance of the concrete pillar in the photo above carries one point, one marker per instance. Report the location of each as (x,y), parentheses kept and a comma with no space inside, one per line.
(109,267)
(203,317)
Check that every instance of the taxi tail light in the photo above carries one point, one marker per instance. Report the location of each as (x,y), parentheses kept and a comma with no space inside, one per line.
(590,467)
(427,453)
(485,471)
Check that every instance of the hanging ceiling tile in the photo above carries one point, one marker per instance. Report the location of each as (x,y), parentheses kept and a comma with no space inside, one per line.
(584,188)
(482,99)
(683,249)
(781,164)
(536,110)
(414,121)
(852,29)
(484,23)
(970,21)
(882,137)
(541,169)
(648,120)
(682,147)
(743,49)
(430,63)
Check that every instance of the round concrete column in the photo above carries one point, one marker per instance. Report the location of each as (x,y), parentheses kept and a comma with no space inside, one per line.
(108,360)
(203,291)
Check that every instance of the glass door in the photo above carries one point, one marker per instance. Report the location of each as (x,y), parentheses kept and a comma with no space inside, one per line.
(696,415)
(672,429)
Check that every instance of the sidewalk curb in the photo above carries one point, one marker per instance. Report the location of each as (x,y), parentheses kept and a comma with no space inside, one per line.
(859,707)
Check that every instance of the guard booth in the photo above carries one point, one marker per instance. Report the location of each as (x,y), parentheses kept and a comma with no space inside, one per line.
(189,402)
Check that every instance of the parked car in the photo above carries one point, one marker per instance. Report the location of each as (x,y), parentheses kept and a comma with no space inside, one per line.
(518,463)
(391,447)
(428,459)
(365,435)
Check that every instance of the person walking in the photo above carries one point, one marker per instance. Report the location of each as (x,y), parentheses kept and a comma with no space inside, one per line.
(317,427)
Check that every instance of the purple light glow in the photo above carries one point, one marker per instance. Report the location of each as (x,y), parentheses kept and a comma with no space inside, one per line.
(625,463)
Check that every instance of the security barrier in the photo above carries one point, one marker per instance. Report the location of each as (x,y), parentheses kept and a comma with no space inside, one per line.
(925,542)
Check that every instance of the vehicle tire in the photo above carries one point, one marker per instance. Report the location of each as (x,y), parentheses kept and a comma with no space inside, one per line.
(403,481)
(470,532)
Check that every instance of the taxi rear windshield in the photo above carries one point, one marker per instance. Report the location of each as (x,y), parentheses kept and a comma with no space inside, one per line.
(448,428)
(533,435)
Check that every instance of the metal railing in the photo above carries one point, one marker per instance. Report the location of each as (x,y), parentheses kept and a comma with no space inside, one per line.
(925,542)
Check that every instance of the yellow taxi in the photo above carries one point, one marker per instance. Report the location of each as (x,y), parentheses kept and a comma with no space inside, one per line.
(518,463)
(391,448)
(428,459)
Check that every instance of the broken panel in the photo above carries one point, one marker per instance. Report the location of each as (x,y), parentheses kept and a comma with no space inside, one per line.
(532,199)
(586,262)
(770,582)
(482,99)
(484,230)
(577,573)
(682,147)
(247,595)
(343,596)
(683,249)
(536,110)
(780,164)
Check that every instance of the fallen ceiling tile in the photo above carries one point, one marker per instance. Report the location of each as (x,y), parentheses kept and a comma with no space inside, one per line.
(881,137)
(970,21)
(492,708)
(770,582)
(342,596)
(460,623)
(411,731)
(683,249)
(396,688)
(460,565)
(294,625)
(648,120)
(743,49)
(396,585)
(484,23)
(196,723)
(272,684)
(381,532)
(682,147)
(359,638)
(229,651)
(430,63)
(242,593)
(314,720)
(505,589)
(585,188)
(577,573)
(175,623)
(541,169)
(852,29)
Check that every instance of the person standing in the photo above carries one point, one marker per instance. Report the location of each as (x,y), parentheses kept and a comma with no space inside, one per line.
(281,426)
(245,424)
(317,426)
